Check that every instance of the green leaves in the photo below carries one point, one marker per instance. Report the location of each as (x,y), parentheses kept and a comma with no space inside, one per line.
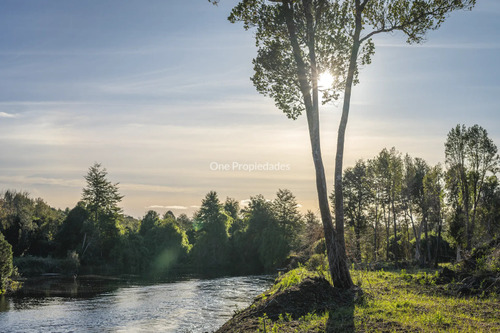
(5,262)
(100,194)
(279,66)
(277,70)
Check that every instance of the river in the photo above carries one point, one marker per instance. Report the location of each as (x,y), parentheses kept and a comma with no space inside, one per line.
(187,305)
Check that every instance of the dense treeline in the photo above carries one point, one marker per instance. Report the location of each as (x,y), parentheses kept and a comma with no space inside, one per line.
(95,236)
(401,208)
(220,235)
(397,207)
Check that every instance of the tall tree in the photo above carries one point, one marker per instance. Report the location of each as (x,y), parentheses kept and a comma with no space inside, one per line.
(389,169)
(296,45)
(100,195)
(101,198)
(212,243)
(288,217)
(415,205)
(357,197)
(470,156)
(434,196)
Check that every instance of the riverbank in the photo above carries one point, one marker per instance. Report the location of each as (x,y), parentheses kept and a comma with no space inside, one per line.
(304,301)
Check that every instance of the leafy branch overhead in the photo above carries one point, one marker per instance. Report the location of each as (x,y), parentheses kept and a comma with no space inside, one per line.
(334,26)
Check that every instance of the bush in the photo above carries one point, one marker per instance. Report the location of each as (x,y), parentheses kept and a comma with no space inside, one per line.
(5,262)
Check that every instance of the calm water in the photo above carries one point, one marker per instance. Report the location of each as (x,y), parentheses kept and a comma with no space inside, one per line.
(193,305)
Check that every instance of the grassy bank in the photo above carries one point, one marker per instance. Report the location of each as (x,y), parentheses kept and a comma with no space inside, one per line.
(388,301)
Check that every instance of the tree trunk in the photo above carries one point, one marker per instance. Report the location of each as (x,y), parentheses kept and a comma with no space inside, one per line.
(339,157)
(395,245)
(427,240)
(358,244)
(375,234)
(418,253)
(466,203)
(339,268)
(387,233)
(436,259)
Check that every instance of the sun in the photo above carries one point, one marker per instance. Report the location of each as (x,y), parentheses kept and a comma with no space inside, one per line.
(325,81)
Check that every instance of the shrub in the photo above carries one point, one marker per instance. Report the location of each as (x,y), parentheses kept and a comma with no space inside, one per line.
(5,262)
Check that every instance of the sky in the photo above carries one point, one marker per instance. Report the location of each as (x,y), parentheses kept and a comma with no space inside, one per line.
(159,93)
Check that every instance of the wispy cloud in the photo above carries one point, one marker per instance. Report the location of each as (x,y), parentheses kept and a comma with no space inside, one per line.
(23,180)
(7,115)
(152,188)
(167,207)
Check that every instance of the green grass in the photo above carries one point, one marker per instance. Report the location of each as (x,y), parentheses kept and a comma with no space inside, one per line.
(393,302)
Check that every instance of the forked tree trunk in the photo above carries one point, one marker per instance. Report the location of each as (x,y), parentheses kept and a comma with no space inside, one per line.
(339,268)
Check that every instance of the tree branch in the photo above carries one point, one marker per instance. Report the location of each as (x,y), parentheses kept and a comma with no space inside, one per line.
(405,25)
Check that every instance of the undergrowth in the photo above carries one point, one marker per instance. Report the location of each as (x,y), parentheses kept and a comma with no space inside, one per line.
(393,301)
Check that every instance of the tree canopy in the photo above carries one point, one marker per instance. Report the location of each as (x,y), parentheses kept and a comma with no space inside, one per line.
(100,195)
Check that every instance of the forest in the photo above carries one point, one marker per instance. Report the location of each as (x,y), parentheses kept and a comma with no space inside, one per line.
(399,210)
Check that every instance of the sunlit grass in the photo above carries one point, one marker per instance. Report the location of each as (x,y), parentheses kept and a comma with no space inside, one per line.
(392,302)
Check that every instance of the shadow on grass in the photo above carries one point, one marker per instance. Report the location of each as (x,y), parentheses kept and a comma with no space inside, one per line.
(341,317)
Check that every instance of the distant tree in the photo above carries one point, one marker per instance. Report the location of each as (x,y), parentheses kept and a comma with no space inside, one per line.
(184,222)
(130,254)
(490,209)
(414,204)
(71,235)
(232,207)
(166,245)
(434,201)
(250,244)
(150,220)
(288,217)
(470,157)
(130,223)
(357,198)
(169,214)
(5,262)
(376,210)
(389,167)
(313,230)
(101,198)
(211,245)
(16,223)
(100,195)
(47,221)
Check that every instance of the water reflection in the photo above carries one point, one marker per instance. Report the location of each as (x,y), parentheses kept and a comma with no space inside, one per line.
(4,304)
(194,305)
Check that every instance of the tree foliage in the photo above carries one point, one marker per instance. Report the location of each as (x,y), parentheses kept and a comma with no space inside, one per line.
(471,156)
(5,262)
(100,195)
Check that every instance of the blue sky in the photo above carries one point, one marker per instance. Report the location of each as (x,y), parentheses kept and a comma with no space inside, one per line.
(158,90)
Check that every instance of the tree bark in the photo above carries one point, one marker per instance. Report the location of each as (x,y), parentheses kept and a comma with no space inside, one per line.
(339,197)
(395,245)
(436,259)
(375,233)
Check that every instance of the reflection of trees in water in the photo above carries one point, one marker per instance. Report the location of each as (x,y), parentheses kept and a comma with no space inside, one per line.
(68,287)
(4,304)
